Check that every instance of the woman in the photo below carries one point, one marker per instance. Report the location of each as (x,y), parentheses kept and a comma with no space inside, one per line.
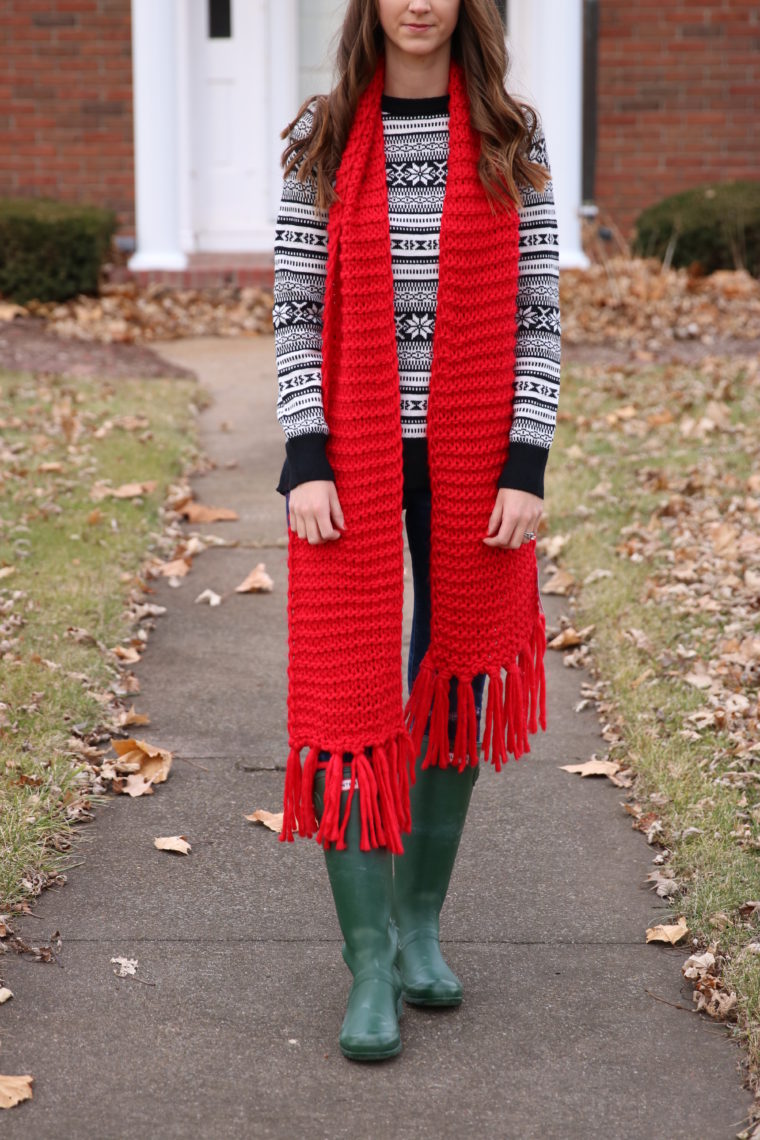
(417,333)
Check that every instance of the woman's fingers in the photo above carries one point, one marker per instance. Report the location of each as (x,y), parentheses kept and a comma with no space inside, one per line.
(519,512)
(325,528)
(335,507)
(313,507)
(496,515)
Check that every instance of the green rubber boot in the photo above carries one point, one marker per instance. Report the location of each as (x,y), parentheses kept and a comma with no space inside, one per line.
(440,798)
(362,887)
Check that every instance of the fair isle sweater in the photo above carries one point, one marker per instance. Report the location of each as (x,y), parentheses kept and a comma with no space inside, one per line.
(416,153)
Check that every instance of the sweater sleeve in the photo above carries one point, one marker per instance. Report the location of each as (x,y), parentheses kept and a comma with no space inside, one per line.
(537,347)
(300,268)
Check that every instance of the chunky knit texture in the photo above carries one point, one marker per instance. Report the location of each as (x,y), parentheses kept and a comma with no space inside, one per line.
(345,597)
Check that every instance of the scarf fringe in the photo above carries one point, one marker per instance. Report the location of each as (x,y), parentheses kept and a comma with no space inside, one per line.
(515,707)
(382,782)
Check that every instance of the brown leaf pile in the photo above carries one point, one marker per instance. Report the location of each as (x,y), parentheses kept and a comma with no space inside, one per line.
(133,312)
(633,302)
(710,994)
(626,301)
(137,768)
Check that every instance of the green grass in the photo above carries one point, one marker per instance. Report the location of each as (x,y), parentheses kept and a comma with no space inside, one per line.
(71,568)
(709,782)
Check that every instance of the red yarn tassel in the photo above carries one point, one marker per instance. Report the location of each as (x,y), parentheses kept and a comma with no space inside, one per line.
(508,718)
(401,761)
(408,764)
(372,832)
(527,666)
(386,801)
(329,825)
(518,715)
(488,734)
(540,635)
(292,796)
(499,754)
(472,726)
(437,754)
(465,739)
(341,841)
(307,822)
(460,737)
(418,706)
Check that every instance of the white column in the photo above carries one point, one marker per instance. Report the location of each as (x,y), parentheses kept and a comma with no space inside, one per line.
(156,86)
(283,86)
(545,43)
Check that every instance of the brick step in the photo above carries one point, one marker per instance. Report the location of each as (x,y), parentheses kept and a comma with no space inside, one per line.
(204,271)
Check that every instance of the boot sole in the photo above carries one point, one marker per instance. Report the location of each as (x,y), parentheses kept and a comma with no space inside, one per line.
(379,1055)
(439,1003)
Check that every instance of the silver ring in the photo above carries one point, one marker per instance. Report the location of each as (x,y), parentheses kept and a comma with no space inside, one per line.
(529,536)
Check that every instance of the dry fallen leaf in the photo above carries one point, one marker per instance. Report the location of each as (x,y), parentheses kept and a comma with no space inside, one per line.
(664,885)
(698,680)
(127,967)
(144,765)
(177,568)
(561,582)
(593,767)
(127,653)
(15,1089)
(712,998)
(698,965)
(209,596)
(569,637)
(131,717)
(668,933)
(640,639)
(9,310)
(101,490)
(132,490)
(272,820)
(6,571)
(258,581)
(176,843)
(199,512)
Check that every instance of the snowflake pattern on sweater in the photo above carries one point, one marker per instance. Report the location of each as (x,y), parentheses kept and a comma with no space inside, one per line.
(416,152)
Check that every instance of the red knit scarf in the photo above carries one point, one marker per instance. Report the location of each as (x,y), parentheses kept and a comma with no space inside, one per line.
(345,596)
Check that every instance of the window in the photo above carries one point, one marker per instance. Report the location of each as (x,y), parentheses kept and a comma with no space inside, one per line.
(219,19)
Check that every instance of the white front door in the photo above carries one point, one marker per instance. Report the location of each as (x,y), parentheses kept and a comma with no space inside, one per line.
(230,200)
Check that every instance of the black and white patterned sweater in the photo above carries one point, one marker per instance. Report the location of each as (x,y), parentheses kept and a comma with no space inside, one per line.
(416,152)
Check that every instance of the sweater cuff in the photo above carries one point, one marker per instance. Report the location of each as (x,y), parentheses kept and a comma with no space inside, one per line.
(524,468)
(307,458)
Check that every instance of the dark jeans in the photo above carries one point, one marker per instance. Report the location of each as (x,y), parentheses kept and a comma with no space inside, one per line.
(418,507)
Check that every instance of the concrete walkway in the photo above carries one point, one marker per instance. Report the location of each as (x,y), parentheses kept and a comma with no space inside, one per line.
(235,1035)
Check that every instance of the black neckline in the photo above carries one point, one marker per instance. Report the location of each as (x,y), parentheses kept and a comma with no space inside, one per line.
(408,108)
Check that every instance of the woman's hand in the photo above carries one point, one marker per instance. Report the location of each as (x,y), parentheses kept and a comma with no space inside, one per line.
(514,513)
(315,511)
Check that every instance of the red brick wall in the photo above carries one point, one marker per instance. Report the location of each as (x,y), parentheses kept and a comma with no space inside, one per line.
(678,99)
(66,102)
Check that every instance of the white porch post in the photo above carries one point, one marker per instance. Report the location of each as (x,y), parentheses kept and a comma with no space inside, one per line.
(283,85)
(156,43)
(545,42)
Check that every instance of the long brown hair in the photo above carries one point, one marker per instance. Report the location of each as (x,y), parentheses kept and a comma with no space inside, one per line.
(506,126)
